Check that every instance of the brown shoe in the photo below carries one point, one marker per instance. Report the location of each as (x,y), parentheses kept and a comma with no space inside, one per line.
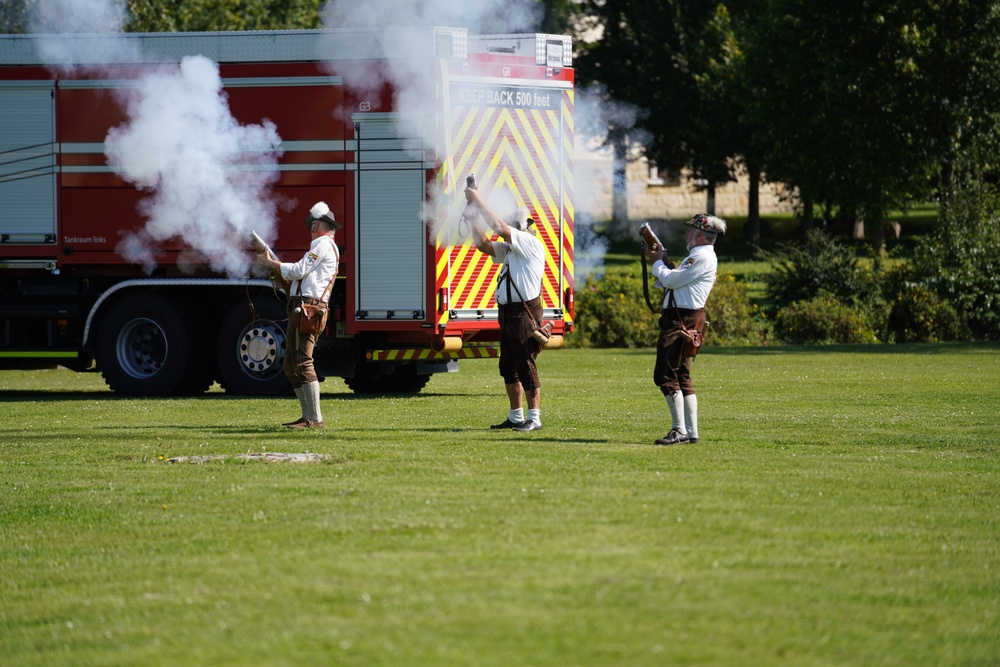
(297,421)
(307,423)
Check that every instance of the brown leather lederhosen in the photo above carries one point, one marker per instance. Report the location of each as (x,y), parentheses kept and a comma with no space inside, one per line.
(670,373)
(517,349)
(298,363)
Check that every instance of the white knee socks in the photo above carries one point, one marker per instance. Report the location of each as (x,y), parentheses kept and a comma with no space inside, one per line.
(691,415)
(299,392)
(311,406)
(675,402)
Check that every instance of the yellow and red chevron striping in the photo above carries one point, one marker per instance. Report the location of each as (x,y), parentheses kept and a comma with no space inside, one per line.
(427,354)
(568,213)
(518,151)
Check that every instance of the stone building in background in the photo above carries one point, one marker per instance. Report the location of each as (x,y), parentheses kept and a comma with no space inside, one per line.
(655,195)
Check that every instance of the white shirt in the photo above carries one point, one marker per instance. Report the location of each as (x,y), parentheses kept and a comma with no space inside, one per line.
(692,280)
(525,257)
(315,270)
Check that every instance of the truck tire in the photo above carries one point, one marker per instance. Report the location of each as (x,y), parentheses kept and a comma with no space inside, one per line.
(250,353)
(147,347)
(405,380)
(402,380)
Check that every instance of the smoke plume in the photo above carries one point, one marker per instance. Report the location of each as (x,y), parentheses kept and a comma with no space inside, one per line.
(413,82)
(596,116)
(413,88)
(207,175)
(93,23)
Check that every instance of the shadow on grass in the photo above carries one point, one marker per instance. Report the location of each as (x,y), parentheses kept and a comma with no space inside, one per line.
(21,395)
(356,435)
(962,347)
(884,348)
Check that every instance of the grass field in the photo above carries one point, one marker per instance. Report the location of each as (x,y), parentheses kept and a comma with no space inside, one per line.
(843,508)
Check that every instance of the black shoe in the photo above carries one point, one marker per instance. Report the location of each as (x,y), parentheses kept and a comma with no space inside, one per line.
(529,425)
(672,438)
(507,423)
(693,441)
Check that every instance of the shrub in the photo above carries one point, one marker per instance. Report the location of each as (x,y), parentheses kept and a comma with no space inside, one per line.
(825,271)
(960,262)
(821,265)
(611,311)
(733,319)
(822,320)
(919,315)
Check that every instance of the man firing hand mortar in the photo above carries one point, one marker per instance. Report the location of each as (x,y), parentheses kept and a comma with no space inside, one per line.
(519,306)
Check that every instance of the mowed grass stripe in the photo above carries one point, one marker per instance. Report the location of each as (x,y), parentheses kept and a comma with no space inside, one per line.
(842,509)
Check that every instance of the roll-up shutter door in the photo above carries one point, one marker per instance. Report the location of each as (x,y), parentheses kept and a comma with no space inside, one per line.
(27,162)
(391,237)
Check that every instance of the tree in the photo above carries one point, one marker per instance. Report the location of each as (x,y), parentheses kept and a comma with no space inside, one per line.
(660,57)
(13,16)
(862,100)
(962,80)
(191,15)
(205,15)
(559,16)
(646,57)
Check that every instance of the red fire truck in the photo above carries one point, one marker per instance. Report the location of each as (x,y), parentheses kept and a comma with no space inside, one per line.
(407,303)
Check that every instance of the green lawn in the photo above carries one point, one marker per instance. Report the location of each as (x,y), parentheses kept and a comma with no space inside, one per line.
(842,509)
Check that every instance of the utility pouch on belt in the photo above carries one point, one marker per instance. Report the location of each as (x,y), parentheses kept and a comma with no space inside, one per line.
(311,318)
(690,343)
(691,339)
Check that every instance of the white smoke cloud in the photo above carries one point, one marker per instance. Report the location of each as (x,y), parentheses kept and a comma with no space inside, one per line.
(207,175)
(594,114)
(413,88)
(92,22)
(481,16)
(412,81)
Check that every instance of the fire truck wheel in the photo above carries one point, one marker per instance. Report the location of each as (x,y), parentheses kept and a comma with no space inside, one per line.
(402,380)
(145,347)
(250,352)
(405,380)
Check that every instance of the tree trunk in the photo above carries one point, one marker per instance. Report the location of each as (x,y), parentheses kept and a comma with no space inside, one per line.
(859,224)
(619,186)
(876,216)
(947,182)
(751,232)
(710,198)
(807,214)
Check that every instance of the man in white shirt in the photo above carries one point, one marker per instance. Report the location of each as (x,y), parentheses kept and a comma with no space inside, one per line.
(311,279)
(519,308)
(687,286)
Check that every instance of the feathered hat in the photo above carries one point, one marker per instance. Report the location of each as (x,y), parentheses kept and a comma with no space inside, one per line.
(320,211)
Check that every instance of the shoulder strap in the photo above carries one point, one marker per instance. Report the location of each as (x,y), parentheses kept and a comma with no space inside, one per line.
(510,282)
(336,253)
(645,285)
(672,303)
(680,320)
(505,275)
